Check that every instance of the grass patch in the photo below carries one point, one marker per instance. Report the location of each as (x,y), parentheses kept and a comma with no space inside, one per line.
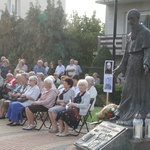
(93,112)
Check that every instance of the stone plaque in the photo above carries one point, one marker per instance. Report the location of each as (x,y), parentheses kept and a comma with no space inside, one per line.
(100,136)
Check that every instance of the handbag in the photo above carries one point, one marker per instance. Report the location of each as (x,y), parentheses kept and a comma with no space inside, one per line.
(14,99)
(21,100)
(76,112)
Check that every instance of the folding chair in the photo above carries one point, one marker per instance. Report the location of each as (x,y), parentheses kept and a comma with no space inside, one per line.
(36,115)
(25,118)
(39,114)
(90,114)
(24,114)
(43,119)
(83,121)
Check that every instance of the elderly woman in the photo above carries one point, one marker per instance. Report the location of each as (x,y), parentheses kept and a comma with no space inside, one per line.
(9,82)
(63,99)
(46,68)
(20,88)
(3,104)
(5,68)
(91,89)
(68,117)
(46,101)
(96,78)
(51,68)
(19,66)
(15,108)
(40,77)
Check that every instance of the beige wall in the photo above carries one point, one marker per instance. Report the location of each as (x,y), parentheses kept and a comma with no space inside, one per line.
(121,18)
(23,5)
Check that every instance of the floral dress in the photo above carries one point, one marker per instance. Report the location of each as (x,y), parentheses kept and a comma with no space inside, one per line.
(69,116)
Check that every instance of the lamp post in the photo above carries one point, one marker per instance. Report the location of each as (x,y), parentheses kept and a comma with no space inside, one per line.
(114,39)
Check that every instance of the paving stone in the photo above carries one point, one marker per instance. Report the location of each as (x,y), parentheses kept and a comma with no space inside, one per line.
(14,138)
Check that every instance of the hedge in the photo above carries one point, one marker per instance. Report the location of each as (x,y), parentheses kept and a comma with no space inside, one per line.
(101,96)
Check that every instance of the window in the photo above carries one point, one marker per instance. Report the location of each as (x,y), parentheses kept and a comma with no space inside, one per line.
(13,6)
(16,6)
(145,18)
(9,6)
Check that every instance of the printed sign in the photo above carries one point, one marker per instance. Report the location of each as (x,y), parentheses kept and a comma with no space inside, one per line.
(108,76)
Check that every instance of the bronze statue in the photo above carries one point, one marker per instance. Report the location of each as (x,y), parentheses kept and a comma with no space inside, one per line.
(136,65)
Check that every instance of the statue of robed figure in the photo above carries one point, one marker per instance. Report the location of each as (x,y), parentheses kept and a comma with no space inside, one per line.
(136,65)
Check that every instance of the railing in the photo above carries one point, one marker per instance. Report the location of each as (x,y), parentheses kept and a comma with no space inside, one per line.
(110,2)
(107,40)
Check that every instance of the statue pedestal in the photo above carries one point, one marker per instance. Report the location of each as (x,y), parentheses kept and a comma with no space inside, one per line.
(143,144)
(110,136)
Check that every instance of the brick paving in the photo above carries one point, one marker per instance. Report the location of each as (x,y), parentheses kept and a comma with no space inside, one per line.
(14,138)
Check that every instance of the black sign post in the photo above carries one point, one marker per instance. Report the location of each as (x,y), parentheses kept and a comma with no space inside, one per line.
(114,41)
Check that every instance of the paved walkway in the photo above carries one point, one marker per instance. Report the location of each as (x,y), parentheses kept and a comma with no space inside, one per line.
(14,138)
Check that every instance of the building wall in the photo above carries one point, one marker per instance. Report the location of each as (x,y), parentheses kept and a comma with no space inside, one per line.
(121,18)
(2,4)
(23,5)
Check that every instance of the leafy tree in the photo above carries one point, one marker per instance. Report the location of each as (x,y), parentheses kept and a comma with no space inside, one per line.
(30,41)
(42,33)
(54,31)
(47,35)
(5,33)
(9,34)
(83,32)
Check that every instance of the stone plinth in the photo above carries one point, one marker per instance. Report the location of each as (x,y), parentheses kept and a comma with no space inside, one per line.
(143,144)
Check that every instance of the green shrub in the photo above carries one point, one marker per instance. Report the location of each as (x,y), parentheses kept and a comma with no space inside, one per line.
(99,88)
(118,91)
(100,100)
(99,60)
(101,96)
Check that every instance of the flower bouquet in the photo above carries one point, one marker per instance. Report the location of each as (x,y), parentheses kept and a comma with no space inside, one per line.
(107,112)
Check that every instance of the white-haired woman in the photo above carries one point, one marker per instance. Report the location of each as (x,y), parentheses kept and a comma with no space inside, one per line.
(91,89)
(52,77)
(15,108)
(46,101)
(81,103)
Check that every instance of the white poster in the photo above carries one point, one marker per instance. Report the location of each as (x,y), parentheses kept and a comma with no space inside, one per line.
(108,76)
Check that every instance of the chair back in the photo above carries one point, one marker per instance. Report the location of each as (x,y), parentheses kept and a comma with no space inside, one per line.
(90,105)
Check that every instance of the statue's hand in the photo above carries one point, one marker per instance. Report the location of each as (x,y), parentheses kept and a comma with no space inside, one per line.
(146,69)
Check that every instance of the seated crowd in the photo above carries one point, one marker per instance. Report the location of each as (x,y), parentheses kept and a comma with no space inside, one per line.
(35,91)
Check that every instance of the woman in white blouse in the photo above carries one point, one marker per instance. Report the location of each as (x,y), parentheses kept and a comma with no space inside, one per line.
(91,89)
(15,108)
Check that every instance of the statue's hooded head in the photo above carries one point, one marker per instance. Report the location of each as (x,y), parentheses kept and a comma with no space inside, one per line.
(133,17)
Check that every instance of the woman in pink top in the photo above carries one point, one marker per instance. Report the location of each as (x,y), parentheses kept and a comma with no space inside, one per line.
(46,101)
